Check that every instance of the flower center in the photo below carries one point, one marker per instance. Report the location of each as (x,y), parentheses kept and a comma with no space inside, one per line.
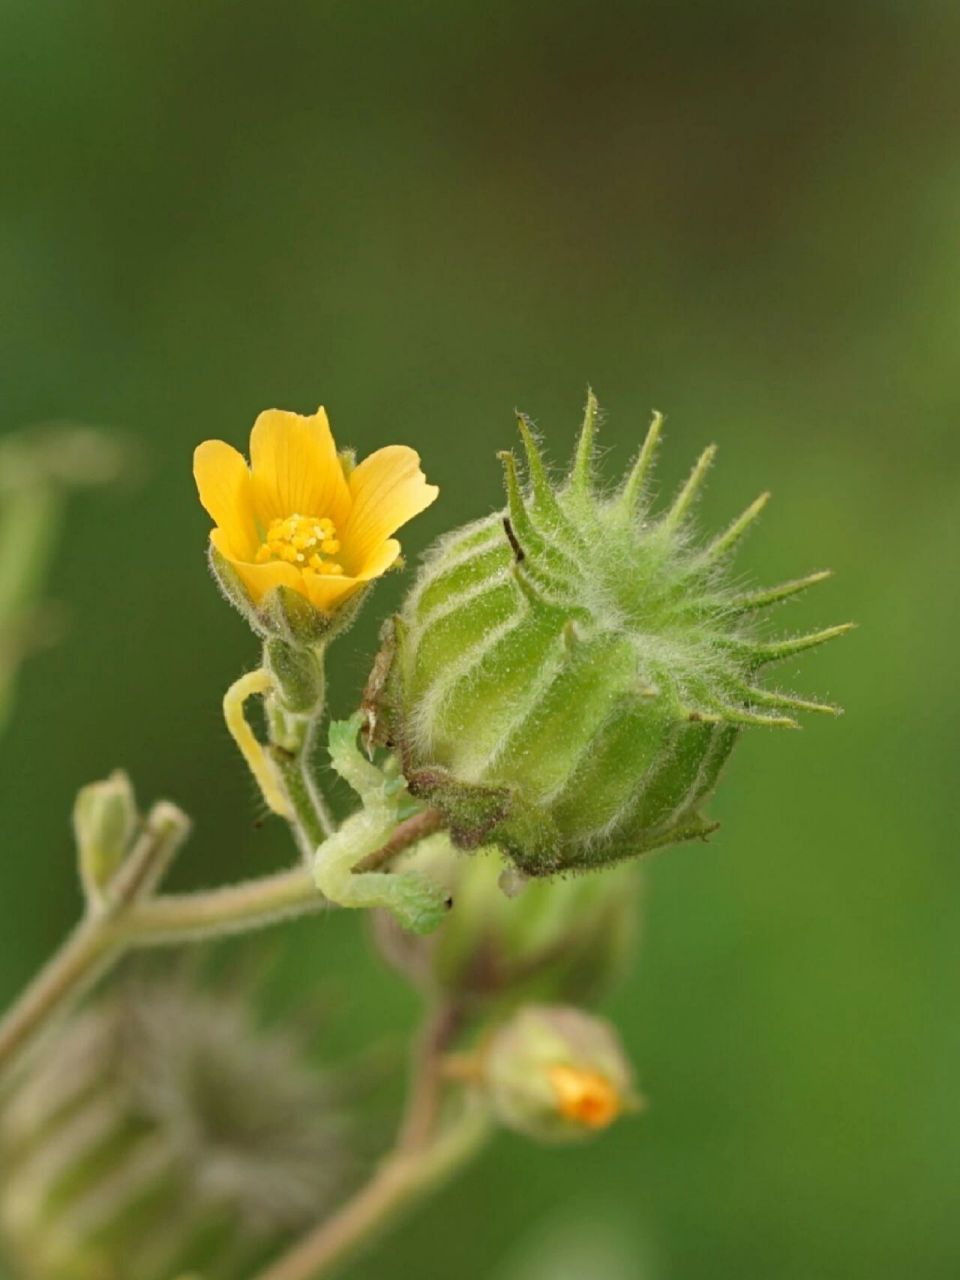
(586,1097)
(306,542)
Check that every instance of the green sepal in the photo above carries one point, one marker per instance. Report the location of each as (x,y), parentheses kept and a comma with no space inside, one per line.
(472,810)
(290,614)
(284,612)
(234,590)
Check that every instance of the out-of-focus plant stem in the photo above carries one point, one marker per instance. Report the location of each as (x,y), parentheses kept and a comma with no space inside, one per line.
(29,523)
(430,1148)
(38,466)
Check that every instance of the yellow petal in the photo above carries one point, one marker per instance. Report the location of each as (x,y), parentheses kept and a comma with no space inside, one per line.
(381,560)
(223,482)
(259,578)
(295,467)
(388,489)
(326,591)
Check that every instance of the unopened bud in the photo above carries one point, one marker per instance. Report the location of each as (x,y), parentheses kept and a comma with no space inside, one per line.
(105,821)
(557,1074)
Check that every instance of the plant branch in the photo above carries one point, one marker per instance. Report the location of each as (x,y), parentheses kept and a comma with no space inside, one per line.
(402,1179)
(427,1076)
(418,827)
(235,908)
(94,943)
(421,1160)
(132,918)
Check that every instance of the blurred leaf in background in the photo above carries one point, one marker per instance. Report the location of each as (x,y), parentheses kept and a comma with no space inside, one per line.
(742,214)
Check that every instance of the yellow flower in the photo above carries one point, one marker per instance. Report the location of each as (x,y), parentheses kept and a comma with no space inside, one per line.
(298,517)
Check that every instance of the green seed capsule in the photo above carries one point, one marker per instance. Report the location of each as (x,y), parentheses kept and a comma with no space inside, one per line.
(568,677)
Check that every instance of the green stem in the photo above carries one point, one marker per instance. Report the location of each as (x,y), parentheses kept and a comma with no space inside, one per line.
(238,908)
(312,821)
(97,941)
(403,1179)
(132,918)
(424,1156)
(295,710)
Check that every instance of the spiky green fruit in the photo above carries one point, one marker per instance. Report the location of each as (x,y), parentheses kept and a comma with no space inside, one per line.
(568,676)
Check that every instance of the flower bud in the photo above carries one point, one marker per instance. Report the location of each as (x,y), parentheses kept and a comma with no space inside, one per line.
(565,939)
(146,1144)
(105,820)
(568,677)
(557,1074)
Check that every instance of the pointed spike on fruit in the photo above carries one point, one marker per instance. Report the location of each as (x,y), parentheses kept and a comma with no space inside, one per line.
(633,487)
(786,701)
(582,474)
(773,595)
(529,588)
(743,715)
(725,541)
(537,472)
(544,499)
(688,494)
(519,516)
(739,715)
(777,650)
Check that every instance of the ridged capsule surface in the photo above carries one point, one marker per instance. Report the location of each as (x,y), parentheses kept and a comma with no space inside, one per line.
(568,676)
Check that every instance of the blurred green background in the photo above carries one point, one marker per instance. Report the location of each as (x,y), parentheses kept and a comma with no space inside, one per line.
(743,214)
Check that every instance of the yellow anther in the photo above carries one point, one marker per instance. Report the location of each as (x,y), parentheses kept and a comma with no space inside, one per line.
(302,541)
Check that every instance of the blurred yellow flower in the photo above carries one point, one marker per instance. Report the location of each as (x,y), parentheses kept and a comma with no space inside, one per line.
(300,516)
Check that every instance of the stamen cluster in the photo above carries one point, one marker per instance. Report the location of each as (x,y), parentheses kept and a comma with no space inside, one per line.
(303,541)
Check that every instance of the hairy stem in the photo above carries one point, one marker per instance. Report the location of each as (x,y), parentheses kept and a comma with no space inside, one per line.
(310,819)
(132,918)
(96,942)
(235,908)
